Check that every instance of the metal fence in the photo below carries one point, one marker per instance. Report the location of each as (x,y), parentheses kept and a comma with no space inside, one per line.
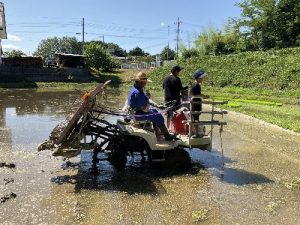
(141,65)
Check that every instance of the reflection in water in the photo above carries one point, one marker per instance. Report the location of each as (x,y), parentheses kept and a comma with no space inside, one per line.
(28,116)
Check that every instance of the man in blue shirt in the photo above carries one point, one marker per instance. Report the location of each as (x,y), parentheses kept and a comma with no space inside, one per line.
(139,103)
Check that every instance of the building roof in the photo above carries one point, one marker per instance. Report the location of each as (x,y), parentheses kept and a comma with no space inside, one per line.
(65,54)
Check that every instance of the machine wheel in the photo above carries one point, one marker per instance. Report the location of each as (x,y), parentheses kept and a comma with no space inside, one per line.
(177,158)
(207,147)
(118,155)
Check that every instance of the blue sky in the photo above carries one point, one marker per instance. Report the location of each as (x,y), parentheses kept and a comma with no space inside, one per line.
(128,23)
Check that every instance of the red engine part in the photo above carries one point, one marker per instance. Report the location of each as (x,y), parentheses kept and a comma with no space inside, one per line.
(177,125)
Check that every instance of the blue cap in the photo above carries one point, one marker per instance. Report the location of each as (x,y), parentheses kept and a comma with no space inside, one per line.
(199,74)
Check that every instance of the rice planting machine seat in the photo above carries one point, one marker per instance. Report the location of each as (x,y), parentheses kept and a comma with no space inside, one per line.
(88,129)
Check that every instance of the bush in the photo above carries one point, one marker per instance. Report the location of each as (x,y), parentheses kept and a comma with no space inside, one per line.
(277,70)
(99,58)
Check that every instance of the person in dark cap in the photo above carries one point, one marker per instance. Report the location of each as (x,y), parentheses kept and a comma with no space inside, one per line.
(173,88)
(196,96)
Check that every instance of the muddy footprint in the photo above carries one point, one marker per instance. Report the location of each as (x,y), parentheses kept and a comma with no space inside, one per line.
(8,165)
(7,197)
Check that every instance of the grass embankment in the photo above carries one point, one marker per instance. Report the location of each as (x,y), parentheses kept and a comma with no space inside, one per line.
(265,85)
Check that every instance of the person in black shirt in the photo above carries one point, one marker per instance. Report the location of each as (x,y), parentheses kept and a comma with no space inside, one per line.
(173,88)
(196,96)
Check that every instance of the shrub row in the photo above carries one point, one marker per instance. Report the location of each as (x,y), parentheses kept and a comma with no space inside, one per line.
(274,69)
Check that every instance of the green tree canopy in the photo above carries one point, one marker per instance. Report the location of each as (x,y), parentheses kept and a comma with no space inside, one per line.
(111,48)
(137,51)
(98,57)
(263,25)
(13,53)
(270,23)
(258,23)
(288,23)
(49,46)
(216,42)
(115,49)
(167,54)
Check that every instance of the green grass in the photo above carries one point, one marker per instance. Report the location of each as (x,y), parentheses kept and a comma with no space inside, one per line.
(253,94)
(233,105)
(286,116)
(276,107)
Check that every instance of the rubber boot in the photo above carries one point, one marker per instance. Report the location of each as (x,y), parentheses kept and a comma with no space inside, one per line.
(165,132)
(157,132)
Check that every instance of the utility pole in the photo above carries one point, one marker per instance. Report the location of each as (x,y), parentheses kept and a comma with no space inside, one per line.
(168,42)
(177,39)
(82,36)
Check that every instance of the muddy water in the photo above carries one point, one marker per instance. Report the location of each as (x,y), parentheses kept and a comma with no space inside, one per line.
(260,183)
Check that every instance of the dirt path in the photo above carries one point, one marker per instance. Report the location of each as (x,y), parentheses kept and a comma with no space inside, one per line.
(260,184)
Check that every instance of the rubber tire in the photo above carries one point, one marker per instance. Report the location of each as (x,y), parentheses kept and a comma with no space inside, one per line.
(177,158)
(118,157)
(207,147)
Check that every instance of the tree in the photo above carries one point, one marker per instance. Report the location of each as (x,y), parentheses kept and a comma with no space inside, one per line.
(98,57)
(288,23)
(111,48)
(137,51)
(216,42)
(258,23)
(14,53)
(187,53)
(48,47)
(167,54)
(115,49)
(209,42)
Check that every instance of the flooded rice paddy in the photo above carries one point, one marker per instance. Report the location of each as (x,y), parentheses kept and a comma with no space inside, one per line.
(260,183)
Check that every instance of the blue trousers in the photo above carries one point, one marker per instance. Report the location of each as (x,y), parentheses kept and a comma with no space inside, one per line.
(152,115)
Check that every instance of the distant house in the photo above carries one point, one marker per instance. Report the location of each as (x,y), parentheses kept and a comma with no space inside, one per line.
(70,60)
(121,59)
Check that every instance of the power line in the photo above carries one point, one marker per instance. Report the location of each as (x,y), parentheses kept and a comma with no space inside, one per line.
(129,36)
(111,27)
(69,32)
(192,24)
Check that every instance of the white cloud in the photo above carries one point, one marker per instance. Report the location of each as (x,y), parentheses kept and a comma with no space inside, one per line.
(10,47)
(15,38)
